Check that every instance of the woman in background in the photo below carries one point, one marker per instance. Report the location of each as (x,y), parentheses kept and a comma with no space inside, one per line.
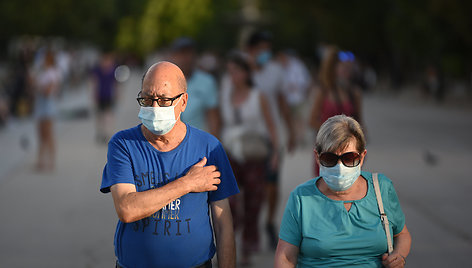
(47,81)
(250,139)
(336,94)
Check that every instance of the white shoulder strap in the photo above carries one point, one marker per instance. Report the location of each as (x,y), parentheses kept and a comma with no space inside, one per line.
(383,216)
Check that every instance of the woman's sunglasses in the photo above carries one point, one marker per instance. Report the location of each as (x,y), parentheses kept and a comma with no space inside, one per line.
(351,159)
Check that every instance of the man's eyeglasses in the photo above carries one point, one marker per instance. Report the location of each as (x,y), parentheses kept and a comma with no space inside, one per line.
(161,101)
(350,159)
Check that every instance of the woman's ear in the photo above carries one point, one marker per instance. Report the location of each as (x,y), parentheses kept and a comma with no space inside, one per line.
(363,156)
(317,157)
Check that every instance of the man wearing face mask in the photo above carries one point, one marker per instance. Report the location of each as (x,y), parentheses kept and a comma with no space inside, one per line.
(166,177)
(268,77)
(336,219)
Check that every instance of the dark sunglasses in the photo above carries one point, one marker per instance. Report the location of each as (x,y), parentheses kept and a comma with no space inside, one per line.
(161,101)
(350,159)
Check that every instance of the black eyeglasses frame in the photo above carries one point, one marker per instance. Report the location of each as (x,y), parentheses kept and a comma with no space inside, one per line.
(158,100)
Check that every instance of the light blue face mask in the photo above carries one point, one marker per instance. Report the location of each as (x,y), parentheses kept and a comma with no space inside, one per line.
(264,57)
(340,178)
(158,120)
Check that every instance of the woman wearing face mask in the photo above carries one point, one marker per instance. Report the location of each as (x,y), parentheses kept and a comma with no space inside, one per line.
(336,93)
(248,136)
(334,220)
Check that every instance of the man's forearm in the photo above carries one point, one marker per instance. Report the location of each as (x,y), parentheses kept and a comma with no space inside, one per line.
(224,233)
(133,206)
(226,249)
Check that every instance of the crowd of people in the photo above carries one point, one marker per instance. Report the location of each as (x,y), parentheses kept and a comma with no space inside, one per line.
(39,73)
(258,106)
(169,169)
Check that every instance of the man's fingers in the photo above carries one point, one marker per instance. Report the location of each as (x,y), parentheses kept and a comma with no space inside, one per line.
(202,162)
(217,181)
(211,168)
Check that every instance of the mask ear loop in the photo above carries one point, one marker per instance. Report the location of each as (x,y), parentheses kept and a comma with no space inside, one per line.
(178,118)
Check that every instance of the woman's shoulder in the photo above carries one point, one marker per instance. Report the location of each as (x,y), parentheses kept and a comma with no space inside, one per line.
(305,188)
(384,181)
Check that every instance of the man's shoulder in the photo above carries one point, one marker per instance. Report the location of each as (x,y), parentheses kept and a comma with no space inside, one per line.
(202,136)
(126,134)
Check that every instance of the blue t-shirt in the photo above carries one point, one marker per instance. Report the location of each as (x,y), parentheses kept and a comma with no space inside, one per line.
(180,234)
(202,95)
(328,235)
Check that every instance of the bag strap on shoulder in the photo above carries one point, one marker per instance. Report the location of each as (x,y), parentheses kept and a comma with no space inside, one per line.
(383,216)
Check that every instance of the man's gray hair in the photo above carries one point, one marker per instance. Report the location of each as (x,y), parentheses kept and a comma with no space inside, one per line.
(336,133)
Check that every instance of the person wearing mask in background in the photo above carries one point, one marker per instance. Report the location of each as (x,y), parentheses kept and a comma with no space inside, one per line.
(105,94)
(336,94)
(47,82)
(295,87)
(268,77)
(202,109)
(166,179)
(336,219)
(250,138)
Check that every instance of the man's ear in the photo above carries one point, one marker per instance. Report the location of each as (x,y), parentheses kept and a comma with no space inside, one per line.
(184,102)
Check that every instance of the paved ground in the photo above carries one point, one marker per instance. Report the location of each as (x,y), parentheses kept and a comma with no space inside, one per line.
(60,219)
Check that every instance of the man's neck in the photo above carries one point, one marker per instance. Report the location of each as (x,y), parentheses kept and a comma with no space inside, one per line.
(168,141)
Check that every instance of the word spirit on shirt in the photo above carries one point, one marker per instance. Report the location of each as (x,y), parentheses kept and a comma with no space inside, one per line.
(163,227)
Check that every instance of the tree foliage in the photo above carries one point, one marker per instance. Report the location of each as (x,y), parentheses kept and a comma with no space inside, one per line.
(402,34)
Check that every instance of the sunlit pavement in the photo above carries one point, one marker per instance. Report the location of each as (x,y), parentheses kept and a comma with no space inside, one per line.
(60,219)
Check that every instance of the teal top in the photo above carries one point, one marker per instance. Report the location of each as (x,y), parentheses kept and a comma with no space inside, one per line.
(328,235)
(202,95)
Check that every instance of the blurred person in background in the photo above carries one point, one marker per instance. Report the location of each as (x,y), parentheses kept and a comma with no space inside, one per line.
(46,83)
(105,95)
(202,109)
(335,219)
(170,183)
(4,112)
(250,138)
(295,87)
(21,93)
(336,93)
(268,77)
(432,83)
(209,62)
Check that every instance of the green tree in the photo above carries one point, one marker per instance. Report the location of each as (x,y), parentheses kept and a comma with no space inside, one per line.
(161,22)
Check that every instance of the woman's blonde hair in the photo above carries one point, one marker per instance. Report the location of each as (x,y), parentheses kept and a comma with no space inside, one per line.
(327,73)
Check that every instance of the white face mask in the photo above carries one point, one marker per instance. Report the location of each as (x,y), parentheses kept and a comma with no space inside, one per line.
(158,120)
(340,177)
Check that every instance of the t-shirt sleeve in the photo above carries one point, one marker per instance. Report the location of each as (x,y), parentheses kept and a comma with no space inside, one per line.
(290,228)
(118,167)
(228,185)
(393,209)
